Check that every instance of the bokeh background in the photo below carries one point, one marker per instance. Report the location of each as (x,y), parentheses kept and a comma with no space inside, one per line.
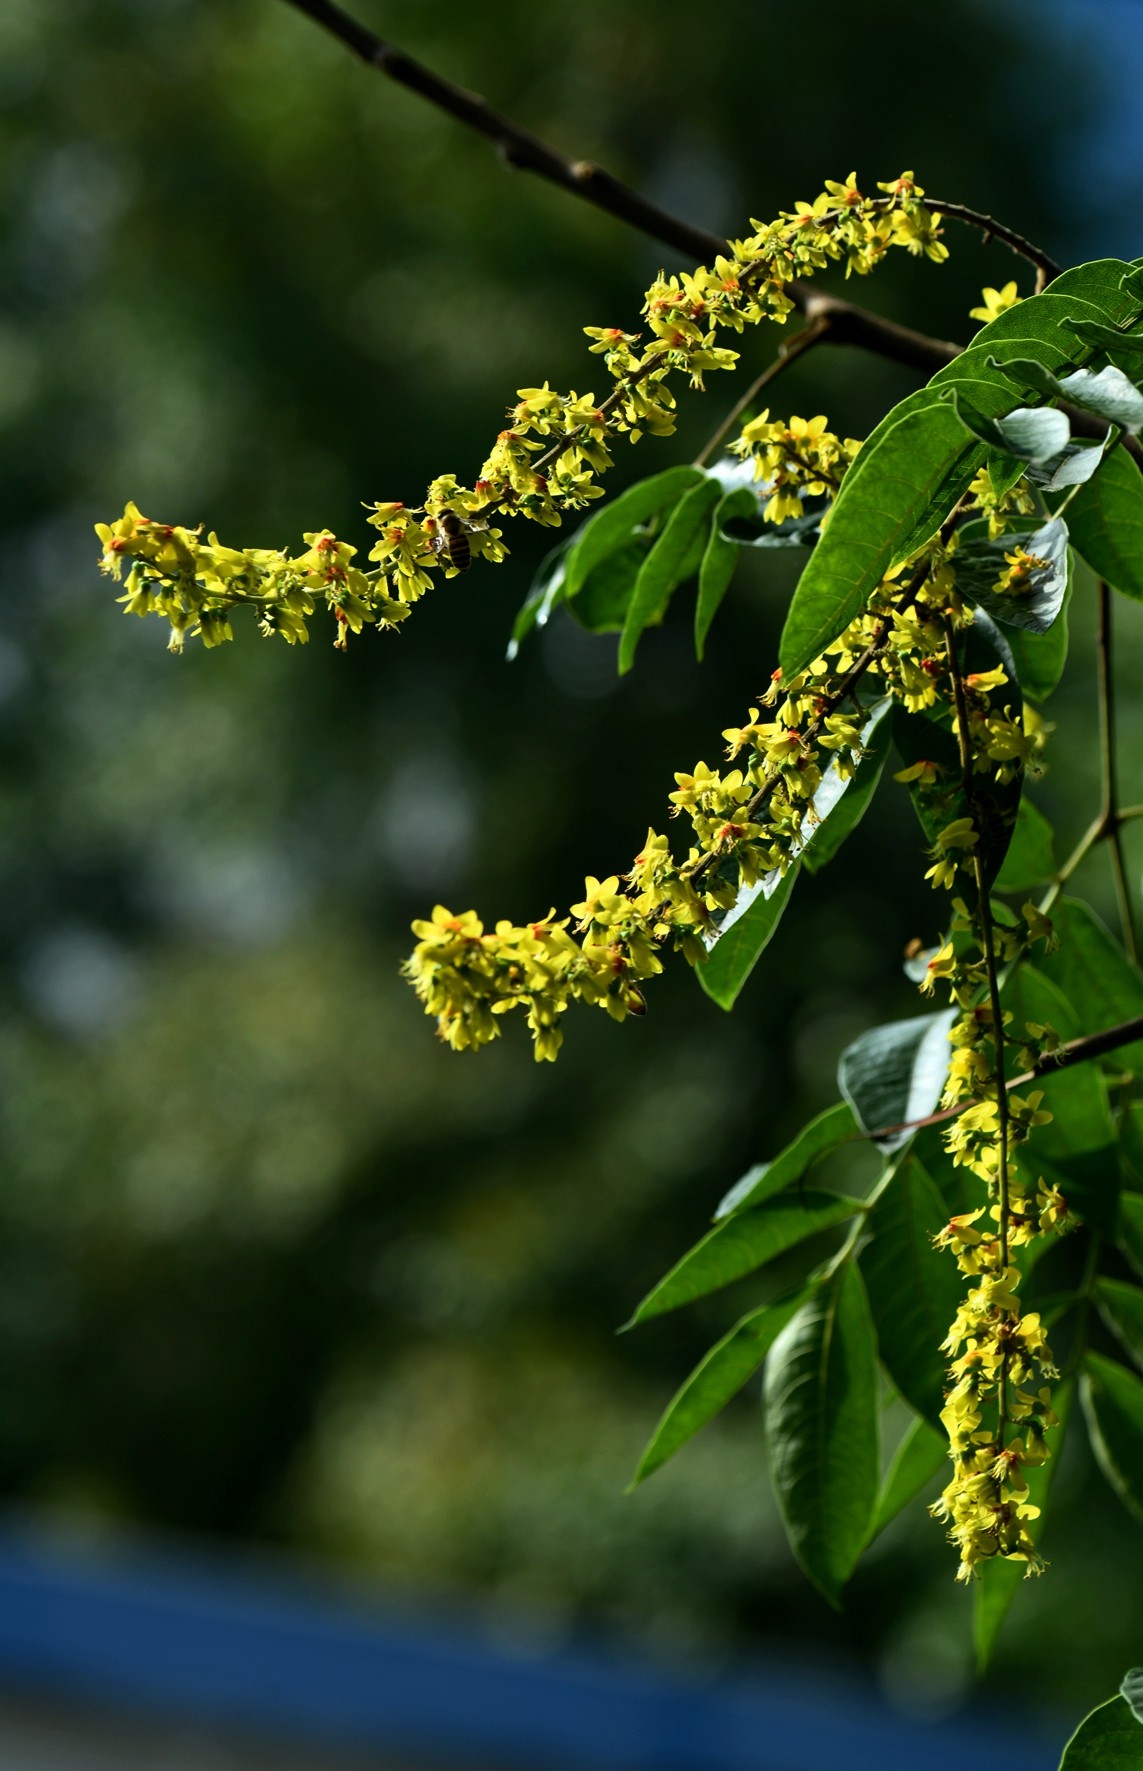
(276,1269)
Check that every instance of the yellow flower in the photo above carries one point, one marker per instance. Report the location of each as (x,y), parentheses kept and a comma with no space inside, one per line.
(995,302)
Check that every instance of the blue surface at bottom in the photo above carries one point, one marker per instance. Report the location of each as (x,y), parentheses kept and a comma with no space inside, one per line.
(179,1637)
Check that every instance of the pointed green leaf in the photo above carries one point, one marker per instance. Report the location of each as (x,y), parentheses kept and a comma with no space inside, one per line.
(1129,1232)
(718,561)
(1030,860)
(980,563)
(1131,1688)
(741,1244)
(1113,1403)
(1040,657)
(919,460)
(829,835)
(664,566)
(922,1452)
(1105,338)
(895,1073)
(1106,523)
(1110,1739)
(1091,968)
(1030,433)
(914,1289)
(815,1140)
(822,1429)
(1109,393)
(616,521)
(899,490)
(1121,1307)
(1000,1579)
(742,937)
(717,1378)
(1076,1149)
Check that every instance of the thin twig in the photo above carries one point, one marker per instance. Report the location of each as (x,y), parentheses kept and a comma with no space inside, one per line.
(1046,267)
(788,352)
(1076,1051)
(519,147)
(1109,819)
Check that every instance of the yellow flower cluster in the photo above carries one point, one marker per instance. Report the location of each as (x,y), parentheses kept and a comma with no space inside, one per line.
(998,1402)
(797,456)
(544,463)
(749,822)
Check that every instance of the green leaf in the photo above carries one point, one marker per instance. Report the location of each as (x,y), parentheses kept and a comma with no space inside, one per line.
(1121,1307)
(1030,433)
(1113,1403)
(980,563)
(1106,523)
(546,594)
(922,1452)
(1110,1739)
(919,460)
(914,1289)
(817,1139)
(734,947)
(664,566)
(602,600)
(1040,657)
(1092,969)
(1030,860)
(718,561)
(1131,1687)
(893,499)
(1129,1232)
(1104,338)
(895,1073)
(741,1244)
(1076,1150)
(822,1429)
(999,1579)
(616,522)
(1109,393)
(742,937)
(717,1378)
(829,835)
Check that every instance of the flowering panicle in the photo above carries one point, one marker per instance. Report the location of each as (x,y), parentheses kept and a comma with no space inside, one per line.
(749,822)
(997,1408)
(545,463)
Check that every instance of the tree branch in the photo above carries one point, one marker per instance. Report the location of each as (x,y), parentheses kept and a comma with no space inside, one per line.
(1076,1051)
(518,147)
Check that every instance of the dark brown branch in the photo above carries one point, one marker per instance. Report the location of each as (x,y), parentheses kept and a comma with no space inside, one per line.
(518,147)
(1046,268)
(1076,1051)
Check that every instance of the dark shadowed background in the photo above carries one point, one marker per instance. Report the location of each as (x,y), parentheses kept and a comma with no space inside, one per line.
(275,1267)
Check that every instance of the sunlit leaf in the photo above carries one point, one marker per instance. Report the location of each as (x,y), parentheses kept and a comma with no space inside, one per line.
(1113,1403)
(922,1452)
(717,1378)
(822,1429)
(914,1289)
(895,1073)
(666,564)
(742,1243)
(817,1139)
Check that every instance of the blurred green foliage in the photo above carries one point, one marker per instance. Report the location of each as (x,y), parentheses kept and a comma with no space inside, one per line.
(274,1266)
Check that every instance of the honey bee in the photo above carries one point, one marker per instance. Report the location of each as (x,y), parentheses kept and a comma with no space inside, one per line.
(451,538)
